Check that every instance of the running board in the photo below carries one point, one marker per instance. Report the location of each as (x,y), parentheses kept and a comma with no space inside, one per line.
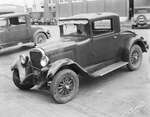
(109,68)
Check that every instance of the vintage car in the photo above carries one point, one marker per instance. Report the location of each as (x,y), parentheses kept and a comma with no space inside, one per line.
(141,17)
(16,28)
(91,46)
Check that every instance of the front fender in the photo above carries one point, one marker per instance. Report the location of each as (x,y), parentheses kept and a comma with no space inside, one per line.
(24,71)
(54,67)
(130,43)
(21,69)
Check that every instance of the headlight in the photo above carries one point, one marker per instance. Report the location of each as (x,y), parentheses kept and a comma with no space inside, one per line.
(23,59)
(44,61)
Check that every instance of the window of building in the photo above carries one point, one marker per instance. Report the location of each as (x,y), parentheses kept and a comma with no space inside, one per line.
(102,27)
(51,1)
(76,0)
(63,1)
(91,0)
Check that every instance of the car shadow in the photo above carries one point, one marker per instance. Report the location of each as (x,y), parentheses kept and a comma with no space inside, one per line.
(86,84)
(15,49)
(143,27)
(44,95)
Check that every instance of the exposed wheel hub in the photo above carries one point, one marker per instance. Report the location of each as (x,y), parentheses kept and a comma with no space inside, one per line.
(134,57)
(66,86)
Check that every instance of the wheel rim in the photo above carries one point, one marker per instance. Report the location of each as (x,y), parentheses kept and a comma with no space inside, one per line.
(66,86)
(40,39)
(135,57)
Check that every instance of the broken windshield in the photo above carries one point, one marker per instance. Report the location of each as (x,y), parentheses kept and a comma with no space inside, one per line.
(74,28)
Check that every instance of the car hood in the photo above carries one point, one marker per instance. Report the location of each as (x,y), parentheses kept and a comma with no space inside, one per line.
(54,51)
(55,46)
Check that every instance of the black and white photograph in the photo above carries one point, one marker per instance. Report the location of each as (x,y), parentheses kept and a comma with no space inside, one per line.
(74,58)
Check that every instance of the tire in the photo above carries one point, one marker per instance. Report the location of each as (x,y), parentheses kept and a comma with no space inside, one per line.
(64,86)
(143,22)
(135,58)
(16,80)
(40,38)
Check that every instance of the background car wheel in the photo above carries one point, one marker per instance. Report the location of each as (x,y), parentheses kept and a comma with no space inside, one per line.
(135,57)
(16,80)
(40,38)
(64,86)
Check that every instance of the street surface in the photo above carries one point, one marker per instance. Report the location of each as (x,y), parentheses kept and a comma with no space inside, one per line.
(121,93)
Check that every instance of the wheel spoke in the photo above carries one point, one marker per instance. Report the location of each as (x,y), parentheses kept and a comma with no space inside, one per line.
(134,57)
(65,86)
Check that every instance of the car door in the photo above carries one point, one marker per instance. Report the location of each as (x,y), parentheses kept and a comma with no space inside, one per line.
(104,40)
(18,29)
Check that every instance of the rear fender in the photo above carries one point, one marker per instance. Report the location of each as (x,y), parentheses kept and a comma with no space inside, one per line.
(35,32)
(63,63)
(130,43)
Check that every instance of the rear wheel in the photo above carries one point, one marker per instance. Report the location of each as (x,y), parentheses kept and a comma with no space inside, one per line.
(135,58)
(64,86)
(40,38)
(16,80)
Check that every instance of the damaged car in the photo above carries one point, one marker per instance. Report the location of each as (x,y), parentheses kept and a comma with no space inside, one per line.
(91,45)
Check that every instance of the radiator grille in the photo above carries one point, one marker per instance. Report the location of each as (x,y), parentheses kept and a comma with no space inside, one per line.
(35,59)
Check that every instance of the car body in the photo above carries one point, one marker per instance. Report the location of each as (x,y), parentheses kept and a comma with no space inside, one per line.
(16,28)
(141,16)
(91,45)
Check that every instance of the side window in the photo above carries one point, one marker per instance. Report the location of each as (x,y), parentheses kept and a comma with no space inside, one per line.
(22,20)
(14,21)
(100,27)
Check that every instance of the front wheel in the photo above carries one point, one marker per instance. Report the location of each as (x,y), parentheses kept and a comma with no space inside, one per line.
(16,80)
(135,58)
(40,38)
(64,86)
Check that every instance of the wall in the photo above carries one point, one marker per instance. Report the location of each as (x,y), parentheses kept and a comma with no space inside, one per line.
(141,3)
(120,7)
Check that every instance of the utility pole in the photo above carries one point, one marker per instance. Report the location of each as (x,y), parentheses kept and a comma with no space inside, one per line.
(46,10)
(131,9)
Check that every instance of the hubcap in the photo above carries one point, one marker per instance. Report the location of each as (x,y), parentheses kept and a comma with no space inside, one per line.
(66,86)
(40,39)
(134,57)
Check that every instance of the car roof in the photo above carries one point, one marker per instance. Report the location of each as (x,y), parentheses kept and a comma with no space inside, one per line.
(89,16)
(12,15)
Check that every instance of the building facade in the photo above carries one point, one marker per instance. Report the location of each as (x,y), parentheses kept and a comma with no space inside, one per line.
(65,8)
(123,8)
